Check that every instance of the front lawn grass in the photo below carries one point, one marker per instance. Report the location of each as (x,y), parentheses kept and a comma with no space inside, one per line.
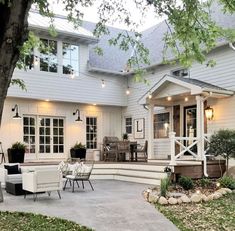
(19,221)
(216,215)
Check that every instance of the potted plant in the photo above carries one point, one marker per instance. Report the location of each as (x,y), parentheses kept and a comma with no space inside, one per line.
(16,153)
(78,151)
(125,136)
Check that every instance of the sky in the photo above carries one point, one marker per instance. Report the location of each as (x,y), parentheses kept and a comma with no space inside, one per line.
(90,14)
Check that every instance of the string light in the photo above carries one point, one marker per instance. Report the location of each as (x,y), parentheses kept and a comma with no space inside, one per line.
(72,75)
(36,61)
(128,91)
(102,84)
(186,99)
(150,95)
(169,98)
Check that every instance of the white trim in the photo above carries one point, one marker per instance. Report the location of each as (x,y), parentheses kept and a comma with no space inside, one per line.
(194,89)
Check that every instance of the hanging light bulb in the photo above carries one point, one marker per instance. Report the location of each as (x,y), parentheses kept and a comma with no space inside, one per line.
(169,98)
(150,95)
(72,75)
(186,99)
(103,84)
(36,61)
(128,91)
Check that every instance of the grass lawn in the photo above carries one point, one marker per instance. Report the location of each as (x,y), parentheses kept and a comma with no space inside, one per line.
(19,221)
(216,215)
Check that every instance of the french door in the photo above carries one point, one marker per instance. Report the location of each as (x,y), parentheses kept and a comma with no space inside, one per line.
(44,136)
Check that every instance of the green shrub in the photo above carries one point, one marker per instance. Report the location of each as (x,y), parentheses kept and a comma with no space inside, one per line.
(205,182)
(186,182)
(227,182)
(165,182)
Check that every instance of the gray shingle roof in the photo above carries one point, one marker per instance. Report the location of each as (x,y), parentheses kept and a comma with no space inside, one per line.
(115,60)
(199,83)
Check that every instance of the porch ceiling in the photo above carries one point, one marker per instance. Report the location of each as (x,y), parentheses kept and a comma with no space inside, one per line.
(179,87)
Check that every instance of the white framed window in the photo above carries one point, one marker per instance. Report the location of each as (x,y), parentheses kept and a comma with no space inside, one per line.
(29,133)
(51,135)
(161,125)
(128,125)
(91,132)
(184,72)
(43,134)
(48,56)
(70,59)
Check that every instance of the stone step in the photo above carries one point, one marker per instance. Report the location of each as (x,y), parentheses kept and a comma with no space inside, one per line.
(139,173)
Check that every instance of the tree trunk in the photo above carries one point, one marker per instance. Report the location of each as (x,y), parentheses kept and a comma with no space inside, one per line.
(13,33)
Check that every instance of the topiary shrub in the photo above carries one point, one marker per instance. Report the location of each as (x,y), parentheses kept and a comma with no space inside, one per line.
(205,182)
(186,182)
(165,182)
(222,143)
(227,182)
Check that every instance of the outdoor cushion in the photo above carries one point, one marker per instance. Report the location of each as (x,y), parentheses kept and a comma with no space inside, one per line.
(12,169)
(63,167)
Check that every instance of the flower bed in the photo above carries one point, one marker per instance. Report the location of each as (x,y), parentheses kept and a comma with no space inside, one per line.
(201,191)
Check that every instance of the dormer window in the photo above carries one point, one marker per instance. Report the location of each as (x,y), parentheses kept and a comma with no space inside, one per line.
(70,59)
(184,72)
(48,56)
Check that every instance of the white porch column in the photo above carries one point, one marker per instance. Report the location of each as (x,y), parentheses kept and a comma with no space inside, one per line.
(200,127)
(150,132)
(172,141)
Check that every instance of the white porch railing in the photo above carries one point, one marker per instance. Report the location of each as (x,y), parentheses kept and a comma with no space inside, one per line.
(186,144)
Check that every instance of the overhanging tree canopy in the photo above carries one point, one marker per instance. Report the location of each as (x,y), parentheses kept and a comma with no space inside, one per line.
(192,32)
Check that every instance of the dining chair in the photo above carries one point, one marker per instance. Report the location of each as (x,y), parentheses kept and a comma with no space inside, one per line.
(142,150)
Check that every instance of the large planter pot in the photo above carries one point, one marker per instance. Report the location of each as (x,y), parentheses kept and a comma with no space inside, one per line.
(15,155)
(78,153)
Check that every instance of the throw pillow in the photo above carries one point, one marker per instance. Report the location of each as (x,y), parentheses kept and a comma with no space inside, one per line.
(63,167)
(12,169)
(77,169)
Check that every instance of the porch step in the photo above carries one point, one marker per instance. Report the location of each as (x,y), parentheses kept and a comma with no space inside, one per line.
(139,173)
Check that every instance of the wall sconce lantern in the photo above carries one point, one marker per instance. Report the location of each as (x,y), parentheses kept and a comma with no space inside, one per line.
(16,109)
(209,113)
(79,118)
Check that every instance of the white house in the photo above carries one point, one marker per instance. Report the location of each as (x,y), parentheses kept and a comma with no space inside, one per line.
(170,109)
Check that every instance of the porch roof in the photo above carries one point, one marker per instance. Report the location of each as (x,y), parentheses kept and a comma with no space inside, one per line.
(185,85)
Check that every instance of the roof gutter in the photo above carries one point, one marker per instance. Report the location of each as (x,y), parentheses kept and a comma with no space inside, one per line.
(222,92)
(101,70)
(90,39)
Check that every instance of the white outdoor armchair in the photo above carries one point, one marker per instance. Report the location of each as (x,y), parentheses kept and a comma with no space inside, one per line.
(42,181)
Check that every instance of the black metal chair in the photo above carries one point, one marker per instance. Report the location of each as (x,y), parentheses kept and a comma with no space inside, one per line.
(2,153)
(142,150)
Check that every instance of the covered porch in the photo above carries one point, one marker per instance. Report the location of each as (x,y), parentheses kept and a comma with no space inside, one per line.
(178,113)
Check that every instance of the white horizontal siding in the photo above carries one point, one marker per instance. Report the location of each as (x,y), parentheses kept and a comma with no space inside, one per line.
(86,88)
(108,120)
(223,75)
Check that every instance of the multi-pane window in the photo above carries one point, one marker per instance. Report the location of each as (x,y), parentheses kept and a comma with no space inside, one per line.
(44,135)
(91,132)
(128,125)
(70,59)
(48,56)
(58,135)
(29,127)
(51,135)
(180,72)
(161,125)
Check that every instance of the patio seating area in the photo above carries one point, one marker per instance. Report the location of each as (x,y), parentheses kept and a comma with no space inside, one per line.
(109,207)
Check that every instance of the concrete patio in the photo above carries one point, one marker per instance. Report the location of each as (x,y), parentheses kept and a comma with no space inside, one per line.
(113,206)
